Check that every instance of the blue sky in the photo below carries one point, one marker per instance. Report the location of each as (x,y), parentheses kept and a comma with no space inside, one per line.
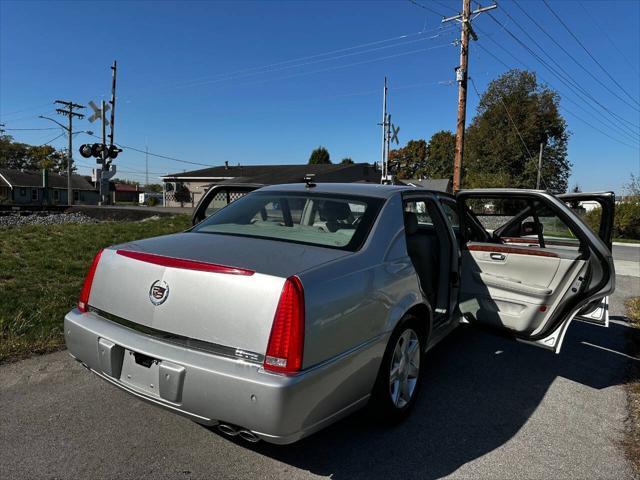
(252,82)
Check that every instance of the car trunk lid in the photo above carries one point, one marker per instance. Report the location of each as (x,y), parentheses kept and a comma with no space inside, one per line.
(217,289)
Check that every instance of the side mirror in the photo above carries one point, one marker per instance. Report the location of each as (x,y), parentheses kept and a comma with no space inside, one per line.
(531,228)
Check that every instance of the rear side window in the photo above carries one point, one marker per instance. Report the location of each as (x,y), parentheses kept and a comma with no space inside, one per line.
(523,221)
(316,219)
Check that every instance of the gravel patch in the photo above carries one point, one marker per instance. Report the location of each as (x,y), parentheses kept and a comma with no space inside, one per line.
(45,219)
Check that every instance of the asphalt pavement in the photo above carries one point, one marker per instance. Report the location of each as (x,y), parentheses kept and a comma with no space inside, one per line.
(490,408)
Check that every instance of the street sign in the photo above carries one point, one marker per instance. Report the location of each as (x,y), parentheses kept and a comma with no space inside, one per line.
(394,133)
(97,112)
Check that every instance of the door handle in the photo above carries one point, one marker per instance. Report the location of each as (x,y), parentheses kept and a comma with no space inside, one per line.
(497,256)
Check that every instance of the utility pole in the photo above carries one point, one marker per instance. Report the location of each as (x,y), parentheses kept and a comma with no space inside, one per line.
(387,141)
(539,166)
(384,132)
(114,69)
(69,113)
(103,156)
(146,163)
(465,19)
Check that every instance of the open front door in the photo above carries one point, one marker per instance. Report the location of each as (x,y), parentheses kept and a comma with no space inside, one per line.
(534,266)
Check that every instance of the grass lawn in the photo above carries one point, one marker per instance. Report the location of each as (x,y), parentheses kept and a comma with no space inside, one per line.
(42,269)
(633,387)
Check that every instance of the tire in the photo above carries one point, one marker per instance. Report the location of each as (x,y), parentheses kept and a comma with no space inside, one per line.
(393,398)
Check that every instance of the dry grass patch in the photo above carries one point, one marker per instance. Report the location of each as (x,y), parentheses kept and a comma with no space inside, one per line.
(633,387)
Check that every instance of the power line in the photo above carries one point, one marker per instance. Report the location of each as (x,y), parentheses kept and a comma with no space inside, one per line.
(352,64)
(559,45)
(4,114)
(567,76)
(444,5)
(53,139)
(424,7)
(615,127)
(635,147)
(560,76)
(604,32)
(16,129)
(166,157)
(286,64)
(589,53)
(195,83)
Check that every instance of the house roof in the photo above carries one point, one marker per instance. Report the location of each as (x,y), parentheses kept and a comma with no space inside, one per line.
(29,178)
(125,187)
(274,174)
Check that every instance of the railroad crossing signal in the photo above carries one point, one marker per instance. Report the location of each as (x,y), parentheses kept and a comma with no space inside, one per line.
(394,133)
(97,112)
(89,150)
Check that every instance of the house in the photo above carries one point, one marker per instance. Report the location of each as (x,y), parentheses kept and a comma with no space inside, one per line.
(186,188)
(18,187)
(124,193)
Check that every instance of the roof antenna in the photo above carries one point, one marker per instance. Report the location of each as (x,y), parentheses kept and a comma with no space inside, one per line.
(308,178)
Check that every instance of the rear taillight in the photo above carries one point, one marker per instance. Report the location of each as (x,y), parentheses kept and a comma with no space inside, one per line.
(83,301)
(286,342)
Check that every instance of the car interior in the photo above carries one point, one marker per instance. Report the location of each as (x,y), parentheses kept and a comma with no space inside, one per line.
(430,250)
(527,264)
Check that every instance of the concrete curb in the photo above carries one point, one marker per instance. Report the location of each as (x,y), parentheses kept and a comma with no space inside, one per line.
(622,244)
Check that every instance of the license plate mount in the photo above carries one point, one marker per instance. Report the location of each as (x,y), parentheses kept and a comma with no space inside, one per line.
(141,372)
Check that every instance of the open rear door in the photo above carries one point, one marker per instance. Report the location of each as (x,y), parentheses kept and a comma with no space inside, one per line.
(219,196)
(597,210)
(533,269)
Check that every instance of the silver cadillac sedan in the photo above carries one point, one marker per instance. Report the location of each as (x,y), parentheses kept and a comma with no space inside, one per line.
(298,304)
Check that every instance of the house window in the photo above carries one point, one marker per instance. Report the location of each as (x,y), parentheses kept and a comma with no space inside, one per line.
(23,192)
(75,195)
(34,194)
(56,195)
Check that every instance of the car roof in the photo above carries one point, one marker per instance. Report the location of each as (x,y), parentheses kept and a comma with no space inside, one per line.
(364,189)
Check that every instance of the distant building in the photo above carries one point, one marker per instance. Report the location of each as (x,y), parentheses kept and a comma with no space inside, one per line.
(187,188)
(124,193)
(19,187)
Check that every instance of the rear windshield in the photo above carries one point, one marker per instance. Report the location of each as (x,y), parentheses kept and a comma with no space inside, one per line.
(316,219)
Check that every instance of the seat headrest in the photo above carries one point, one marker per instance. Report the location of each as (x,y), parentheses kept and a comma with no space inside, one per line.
(331,211)
(410,223)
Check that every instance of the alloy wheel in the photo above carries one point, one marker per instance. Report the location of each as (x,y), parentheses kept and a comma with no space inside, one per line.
(404,368)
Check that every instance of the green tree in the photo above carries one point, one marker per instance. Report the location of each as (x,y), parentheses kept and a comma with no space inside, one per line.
(409,161)
(494,152)
(346,161)
(319,156)
(153,187)
(18,155)
(440,152)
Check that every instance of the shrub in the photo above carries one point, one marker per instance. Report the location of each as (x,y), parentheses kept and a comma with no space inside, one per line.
(627,220)
(152,201)
(626,223)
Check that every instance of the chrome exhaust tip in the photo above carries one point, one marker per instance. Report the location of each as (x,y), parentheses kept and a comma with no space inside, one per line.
(249,436)
(229,430)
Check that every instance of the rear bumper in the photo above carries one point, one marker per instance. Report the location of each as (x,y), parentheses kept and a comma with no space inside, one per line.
(212,389)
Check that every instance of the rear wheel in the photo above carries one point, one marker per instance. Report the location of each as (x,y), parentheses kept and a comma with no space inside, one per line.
(399,378)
